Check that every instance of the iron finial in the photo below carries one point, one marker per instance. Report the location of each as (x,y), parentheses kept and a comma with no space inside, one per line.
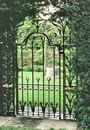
(48,78)
(37,78)
(27,78)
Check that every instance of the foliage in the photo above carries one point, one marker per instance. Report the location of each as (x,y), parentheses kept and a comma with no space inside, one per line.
(12,128)
(30,25)
(23,37)
(38,61)
(36,68)
(78,13)
(25,128)
(13,12)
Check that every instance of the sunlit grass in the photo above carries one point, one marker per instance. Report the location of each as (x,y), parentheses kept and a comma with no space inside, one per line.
(26,93)
(13,128)
(27,96)
(22,78)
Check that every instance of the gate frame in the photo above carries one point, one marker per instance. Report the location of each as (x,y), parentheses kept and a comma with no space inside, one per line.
(61,52)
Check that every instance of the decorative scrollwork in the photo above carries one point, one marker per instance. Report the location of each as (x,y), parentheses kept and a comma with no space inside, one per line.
(54,108)
(70,105)
(22,104)
(43,106)
(33,105)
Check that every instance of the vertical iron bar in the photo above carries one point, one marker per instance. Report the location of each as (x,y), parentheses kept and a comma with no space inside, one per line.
(13,80)
(32,76)
(43,77)
(22,75)
(59,82)
(17,107)
(38,96)
(49,97)
(54,75)
(27,99)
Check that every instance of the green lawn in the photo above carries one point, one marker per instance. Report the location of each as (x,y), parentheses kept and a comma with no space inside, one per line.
(13,128)
(36,74)
(46,93)
(24,94)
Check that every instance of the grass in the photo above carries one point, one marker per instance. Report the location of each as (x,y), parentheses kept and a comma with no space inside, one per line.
(46,93)
(24,94)
(13,128)
(36,74)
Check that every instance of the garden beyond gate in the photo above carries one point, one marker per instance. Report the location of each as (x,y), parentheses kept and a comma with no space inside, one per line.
(42,76)
(45,79)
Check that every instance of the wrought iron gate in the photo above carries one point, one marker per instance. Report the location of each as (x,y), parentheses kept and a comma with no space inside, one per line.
(45,79)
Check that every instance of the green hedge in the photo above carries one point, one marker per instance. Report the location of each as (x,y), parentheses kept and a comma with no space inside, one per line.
(82,107)
(78,13)
(81,61)
(36,68)
(38,61)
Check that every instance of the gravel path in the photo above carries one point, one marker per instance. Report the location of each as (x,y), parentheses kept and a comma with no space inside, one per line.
(41,124)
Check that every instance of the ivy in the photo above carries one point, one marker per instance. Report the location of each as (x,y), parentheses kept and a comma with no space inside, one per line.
(80,23)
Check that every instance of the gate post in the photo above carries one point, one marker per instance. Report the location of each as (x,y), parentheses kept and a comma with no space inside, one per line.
(1,80)
(6,79)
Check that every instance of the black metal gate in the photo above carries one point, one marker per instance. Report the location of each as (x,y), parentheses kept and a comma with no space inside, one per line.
(45,78)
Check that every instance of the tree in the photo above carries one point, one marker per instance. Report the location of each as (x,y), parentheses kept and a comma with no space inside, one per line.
(79,24)
(78,15)
(81,33)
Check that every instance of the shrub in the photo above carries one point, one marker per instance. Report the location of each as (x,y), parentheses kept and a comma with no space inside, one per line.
(27,68)
(36,68)
(38,61)
(39,69)
(80,23)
